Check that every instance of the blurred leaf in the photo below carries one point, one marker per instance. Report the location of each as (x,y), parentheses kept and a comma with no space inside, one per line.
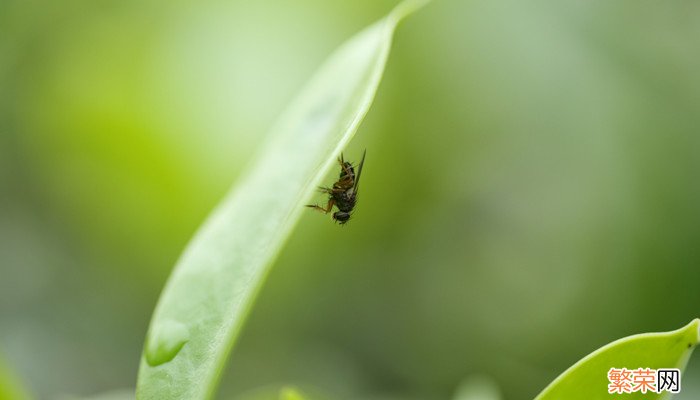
(10,387)
(289,393)
(478,388)
(588,378)
(274,392)
(204,304)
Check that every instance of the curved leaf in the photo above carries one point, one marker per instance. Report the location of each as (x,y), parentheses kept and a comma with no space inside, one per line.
(588,378)
(208,295)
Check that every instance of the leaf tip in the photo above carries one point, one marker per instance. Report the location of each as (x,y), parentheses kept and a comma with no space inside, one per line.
(165,341)
(692,331)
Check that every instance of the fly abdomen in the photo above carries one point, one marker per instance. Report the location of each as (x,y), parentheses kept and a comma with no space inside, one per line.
(345,201)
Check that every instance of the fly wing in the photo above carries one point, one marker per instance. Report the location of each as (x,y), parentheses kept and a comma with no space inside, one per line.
(359,173)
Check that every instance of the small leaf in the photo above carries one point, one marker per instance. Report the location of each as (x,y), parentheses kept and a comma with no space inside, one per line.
(213,286)
(588,378)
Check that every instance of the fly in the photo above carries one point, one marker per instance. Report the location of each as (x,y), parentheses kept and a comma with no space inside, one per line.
(343,194)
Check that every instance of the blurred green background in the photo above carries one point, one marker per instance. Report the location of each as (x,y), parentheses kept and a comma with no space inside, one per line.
(530,192)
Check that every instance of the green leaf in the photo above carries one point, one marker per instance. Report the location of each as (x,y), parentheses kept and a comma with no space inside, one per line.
(588,378)
(204,304)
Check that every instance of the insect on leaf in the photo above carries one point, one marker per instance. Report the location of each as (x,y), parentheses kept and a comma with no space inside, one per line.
(205,301)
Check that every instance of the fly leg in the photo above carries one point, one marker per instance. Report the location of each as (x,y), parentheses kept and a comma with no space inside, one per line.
(347,169)
(326,210)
